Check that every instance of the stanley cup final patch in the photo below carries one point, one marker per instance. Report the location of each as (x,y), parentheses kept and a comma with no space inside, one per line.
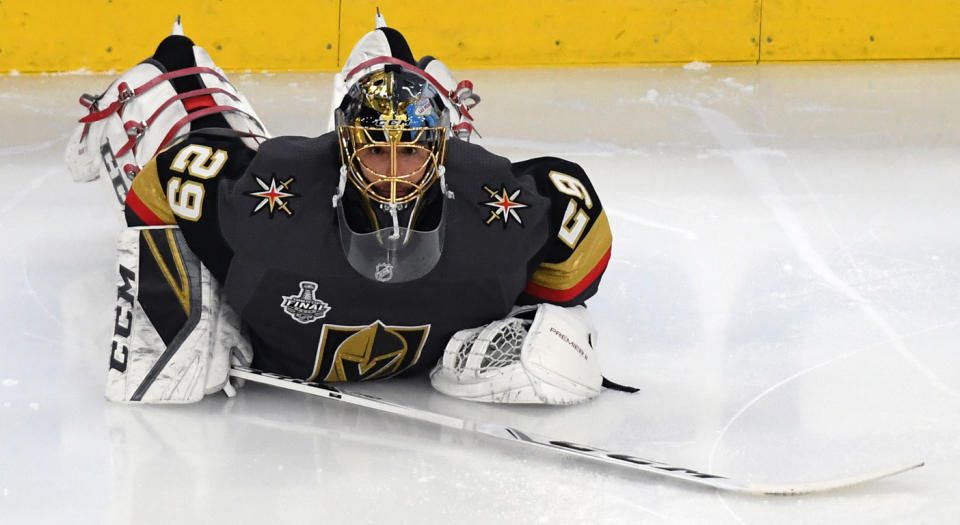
(304,307)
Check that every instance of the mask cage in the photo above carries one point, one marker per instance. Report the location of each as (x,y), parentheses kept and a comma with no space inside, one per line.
(393,187)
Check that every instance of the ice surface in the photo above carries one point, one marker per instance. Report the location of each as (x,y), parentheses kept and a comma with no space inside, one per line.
(783,289)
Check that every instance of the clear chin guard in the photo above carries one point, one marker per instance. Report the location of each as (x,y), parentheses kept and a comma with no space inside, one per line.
(395,254)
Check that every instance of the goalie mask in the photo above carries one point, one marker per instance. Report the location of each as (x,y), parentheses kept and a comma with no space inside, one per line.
(392,127)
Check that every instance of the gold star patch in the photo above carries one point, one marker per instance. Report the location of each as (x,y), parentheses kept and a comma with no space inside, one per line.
(505,206)
(273,195)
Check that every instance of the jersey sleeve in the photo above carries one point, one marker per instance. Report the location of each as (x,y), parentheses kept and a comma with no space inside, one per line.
(568,269)
(180,186)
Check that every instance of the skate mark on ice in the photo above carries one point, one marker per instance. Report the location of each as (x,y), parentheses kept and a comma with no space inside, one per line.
(629,217)
(646,510)
(577,149)
(46,339)
(749,404)
(38,298)
(767,391)
(847,254)
(752,166)
(19,196)
(32,148)
(723,431)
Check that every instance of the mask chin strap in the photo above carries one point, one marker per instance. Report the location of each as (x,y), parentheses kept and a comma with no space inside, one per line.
(341,186)
(441,174)
(392,208)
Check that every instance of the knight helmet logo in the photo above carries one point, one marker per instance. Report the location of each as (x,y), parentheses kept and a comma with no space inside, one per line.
(373,351)
(305,308)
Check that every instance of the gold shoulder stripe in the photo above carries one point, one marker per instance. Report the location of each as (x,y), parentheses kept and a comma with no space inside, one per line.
(592,248)
(147,187)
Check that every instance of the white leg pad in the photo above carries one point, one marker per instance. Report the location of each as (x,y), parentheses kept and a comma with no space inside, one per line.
(197,360)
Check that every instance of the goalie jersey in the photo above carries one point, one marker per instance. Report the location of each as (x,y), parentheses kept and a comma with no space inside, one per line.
(262,222)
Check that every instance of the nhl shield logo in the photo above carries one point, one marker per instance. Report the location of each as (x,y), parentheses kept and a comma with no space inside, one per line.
(384,272)
(304,307)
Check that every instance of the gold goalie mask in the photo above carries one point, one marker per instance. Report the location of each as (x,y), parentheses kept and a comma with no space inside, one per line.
(392,127)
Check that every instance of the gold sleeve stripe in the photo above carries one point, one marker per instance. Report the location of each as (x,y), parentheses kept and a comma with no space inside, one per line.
(567,274)
(149,201)
(569,294)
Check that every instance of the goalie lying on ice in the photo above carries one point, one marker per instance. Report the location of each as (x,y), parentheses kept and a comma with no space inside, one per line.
(368,252)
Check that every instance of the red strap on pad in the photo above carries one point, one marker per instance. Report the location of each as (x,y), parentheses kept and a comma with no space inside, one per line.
(125,94)
(195,115)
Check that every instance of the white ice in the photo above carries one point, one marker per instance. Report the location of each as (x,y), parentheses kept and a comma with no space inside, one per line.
(783,289)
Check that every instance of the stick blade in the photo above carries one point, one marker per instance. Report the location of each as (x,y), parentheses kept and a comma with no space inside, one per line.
(825,485)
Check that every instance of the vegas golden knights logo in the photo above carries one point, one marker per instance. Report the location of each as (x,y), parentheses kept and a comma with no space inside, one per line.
(374,351)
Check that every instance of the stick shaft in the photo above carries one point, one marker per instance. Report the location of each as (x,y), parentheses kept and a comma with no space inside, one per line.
(557,445)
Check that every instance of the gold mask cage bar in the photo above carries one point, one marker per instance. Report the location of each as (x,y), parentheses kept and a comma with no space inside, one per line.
(399,186)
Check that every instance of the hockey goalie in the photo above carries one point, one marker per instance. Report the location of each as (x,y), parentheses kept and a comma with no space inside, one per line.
(387,246)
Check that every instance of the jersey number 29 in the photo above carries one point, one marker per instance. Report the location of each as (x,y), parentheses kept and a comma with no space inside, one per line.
(186,196)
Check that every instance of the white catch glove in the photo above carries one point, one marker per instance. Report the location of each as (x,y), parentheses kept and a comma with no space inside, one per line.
(550,360)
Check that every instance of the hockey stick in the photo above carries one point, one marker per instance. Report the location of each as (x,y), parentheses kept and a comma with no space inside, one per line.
(566,447)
